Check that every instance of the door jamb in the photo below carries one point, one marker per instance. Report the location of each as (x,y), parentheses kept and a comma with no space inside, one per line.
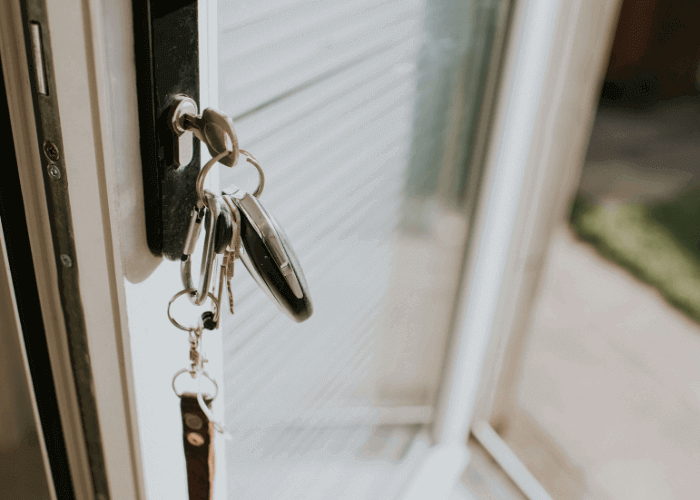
(80,84)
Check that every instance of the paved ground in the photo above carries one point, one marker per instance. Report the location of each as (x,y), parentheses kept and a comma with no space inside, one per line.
(612,375)
(609,399)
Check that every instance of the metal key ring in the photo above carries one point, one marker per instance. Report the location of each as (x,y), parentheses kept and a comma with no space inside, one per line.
(261,176)
(191,291)
(195,375)
(199,186)
(205,170)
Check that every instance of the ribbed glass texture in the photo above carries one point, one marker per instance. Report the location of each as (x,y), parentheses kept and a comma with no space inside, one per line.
(362,114)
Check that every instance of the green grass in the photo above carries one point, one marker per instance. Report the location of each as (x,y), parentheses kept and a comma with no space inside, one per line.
(658,243)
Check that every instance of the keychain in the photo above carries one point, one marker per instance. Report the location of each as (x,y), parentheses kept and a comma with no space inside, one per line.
(265,249)
(236,226)
(198,423)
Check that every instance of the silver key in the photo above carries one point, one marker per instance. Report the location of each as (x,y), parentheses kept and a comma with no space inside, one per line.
(212,127)
(232,251)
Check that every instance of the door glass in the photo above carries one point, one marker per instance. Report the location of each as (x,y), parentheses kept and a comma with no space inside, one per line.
(23,472)
(363,116)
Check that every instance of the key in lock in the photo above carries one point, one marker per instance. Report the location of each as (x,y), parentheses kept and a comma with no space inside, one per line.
(212,128)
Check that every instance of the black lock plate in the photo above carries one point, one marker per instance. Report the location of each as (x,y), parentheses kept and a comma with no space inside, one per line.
(166,49)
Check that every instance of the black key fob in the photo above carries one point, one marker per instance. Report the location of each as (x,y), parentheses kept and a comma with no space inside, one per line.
(223,227)
(269,257)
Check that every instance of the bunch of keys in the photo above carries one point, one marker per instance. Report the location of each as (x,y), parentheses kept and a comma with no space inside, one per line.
(237,226)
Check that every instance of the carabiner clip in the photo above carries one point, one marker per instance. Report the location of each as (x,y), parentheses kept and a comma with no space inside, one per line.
(213,210)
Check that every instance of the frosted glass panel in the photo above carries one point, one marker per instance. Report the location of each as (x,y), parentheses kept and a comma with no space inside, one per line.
(363,116)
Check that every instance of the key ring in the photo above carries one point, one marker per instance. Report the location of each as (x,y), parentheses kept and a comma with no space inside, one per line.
(191,291)
(195,375)
(199,186)
(261,176)
(205,170)
(200,398)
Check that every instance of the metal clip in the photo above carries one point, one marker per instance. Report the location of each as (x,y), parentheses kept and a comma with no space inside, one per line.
(213,211)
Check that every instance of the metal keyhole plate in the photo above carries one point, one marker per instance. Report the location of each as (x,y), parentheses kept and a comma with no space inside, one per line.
(184,143)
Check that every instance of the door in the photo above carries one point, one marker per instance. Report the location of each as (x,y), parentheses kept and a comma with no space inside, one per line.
(364,119)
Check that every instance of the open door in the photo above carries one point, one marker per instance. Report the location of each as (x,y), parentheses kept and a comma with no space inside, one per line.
(373,122)
(365,118)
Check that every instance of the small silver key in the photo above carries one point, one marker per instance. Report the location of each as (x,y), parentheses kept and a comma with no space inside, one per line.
(227,271)
(232,250)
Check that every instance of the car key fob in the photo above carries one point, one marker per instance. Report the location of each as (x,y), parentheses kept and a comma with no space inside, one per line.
(269,257)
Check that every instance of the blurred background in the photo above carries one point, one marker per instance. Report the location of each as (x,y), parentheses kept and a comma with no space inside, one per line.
(607,404)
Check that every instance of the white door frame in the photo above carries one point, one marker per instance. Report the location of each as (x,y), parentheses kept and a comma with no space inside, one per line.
(92,45)
(74,38)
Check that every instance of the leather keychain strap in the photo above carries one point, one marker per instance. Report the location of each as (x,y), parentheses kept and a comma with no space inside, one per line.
(198,437)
